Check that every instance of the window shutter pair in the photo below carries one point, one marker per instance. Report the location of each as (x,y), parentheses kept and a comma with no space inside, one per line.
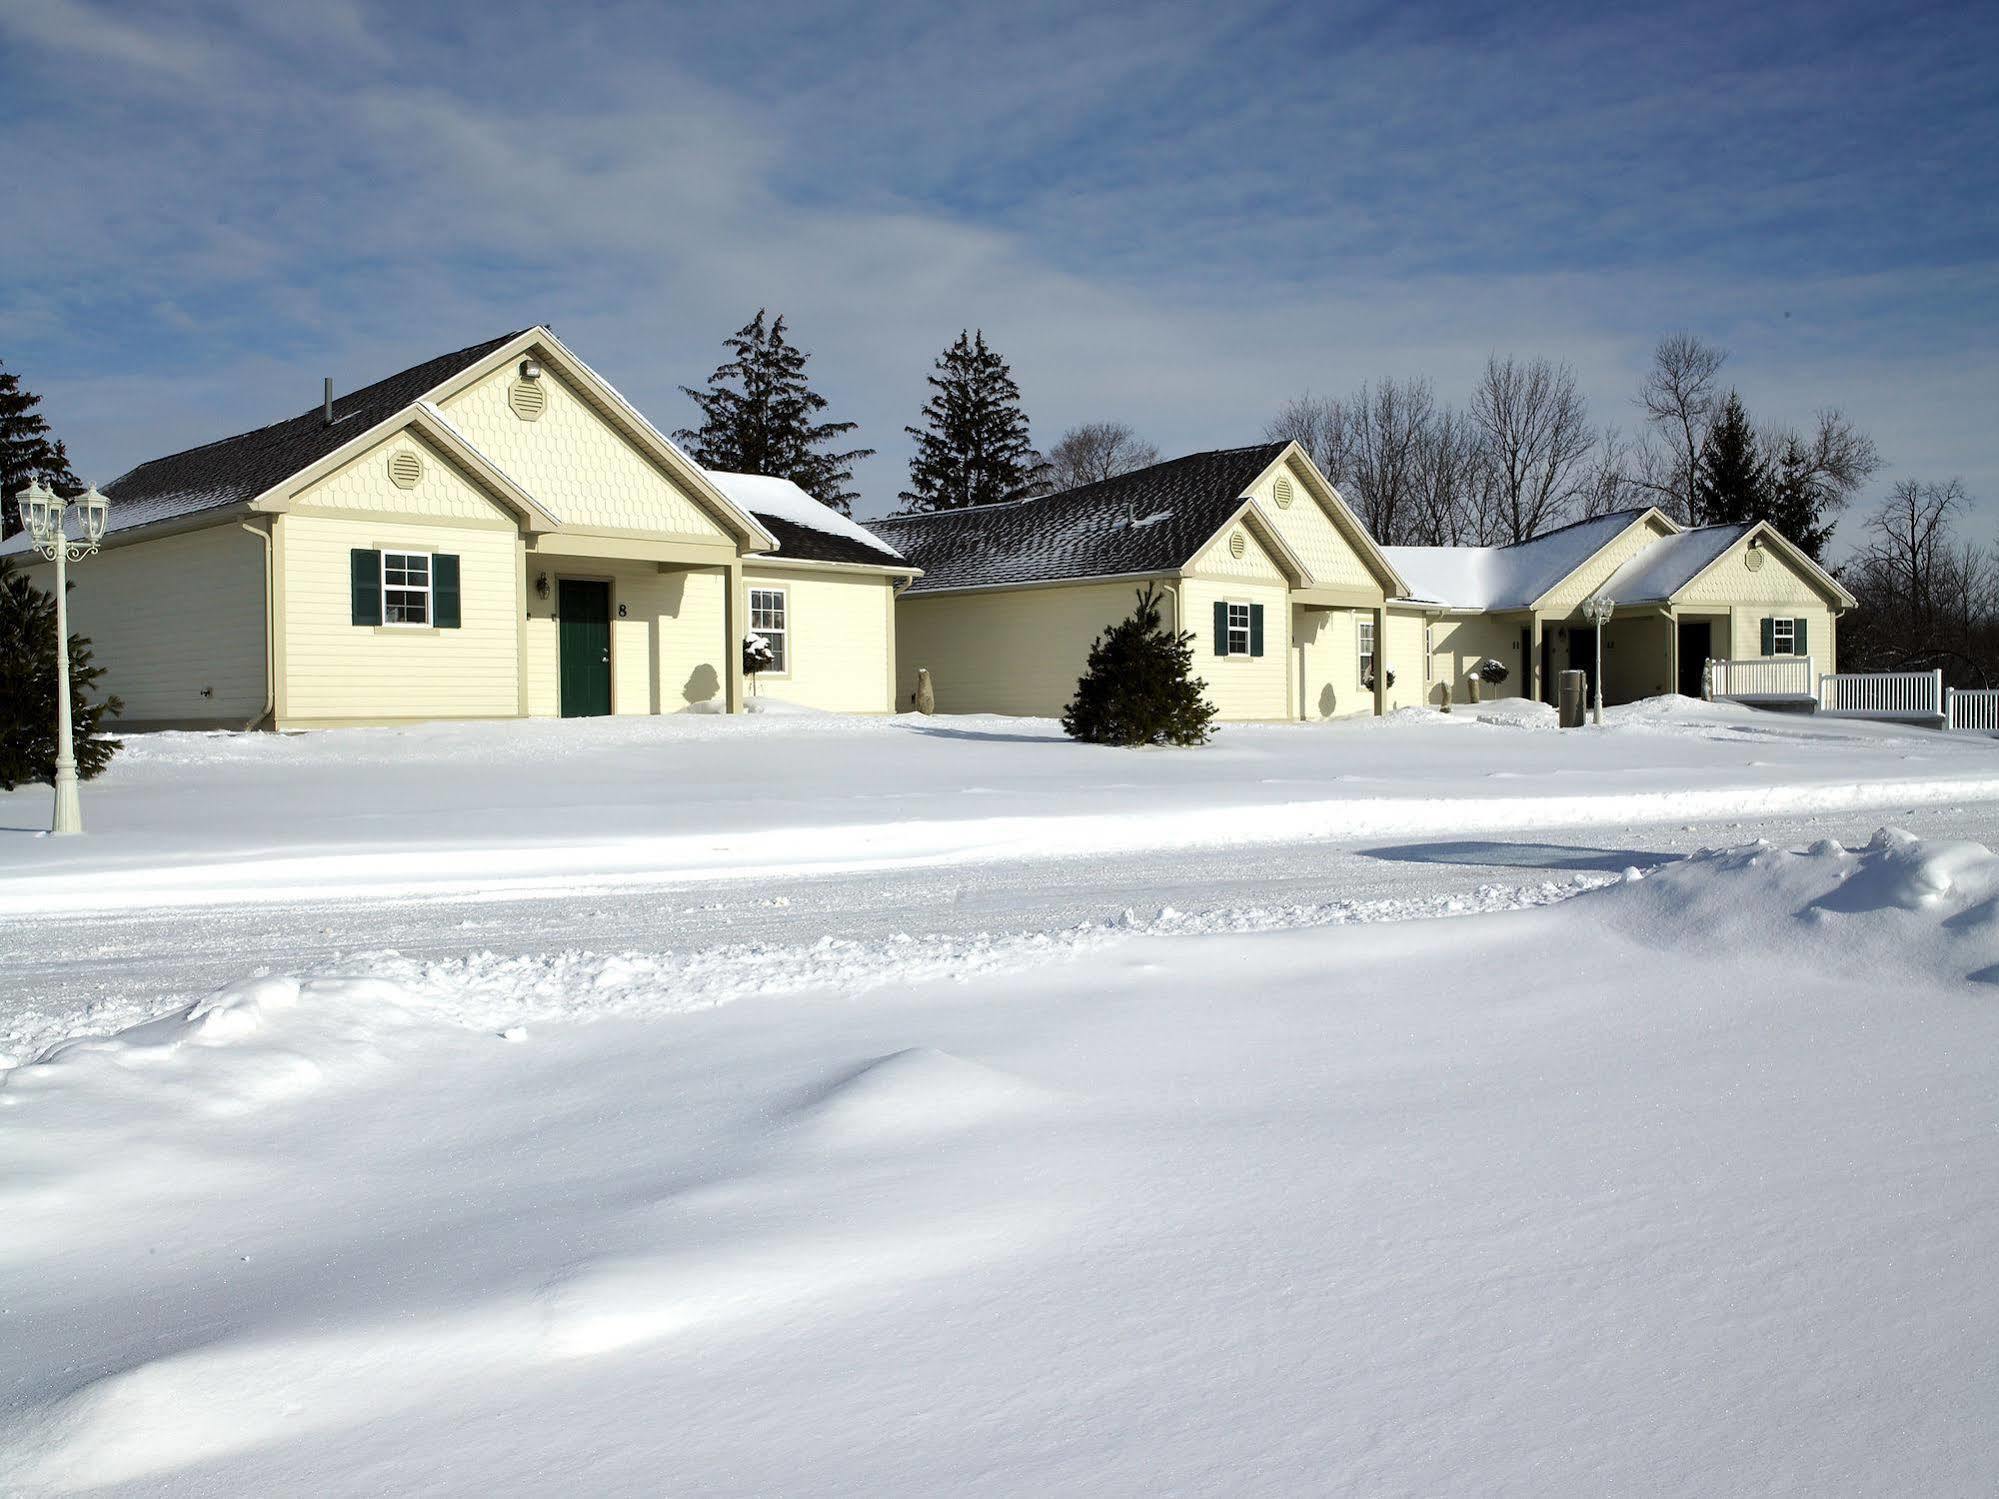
(1222,628)
(364,575)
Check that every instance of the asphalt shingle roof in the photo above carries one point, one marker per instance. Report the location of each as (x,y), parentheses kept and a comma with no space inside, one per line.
(238,469)
(1150,520)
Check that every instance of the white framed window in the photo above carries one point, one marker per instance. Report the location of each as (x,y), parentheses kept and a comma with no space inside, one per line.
(1238,641)
(1364,635)
(1783,637)
(1429,651)
(406,588)
(770,617)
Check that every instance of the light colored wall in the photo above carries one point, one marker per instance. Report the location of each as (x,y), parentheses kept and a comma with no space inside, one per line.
(335,670)
(1747,597)
(172,618)
(1593,574)
(1016,650)
(1311,533)
(667,653)
(842,629)
(1637,658)
(1242,688)
(362,486)
(576,463)
(1462,641)
(1326,672)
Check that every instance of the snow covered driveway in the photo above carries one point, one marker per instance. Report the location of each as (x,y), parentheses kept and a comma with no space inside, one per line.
(1683,1186)
(554,808)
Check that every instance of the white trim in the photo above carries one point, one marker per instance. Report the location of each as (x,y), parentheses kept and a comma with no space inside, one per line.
(1364,628)
(428,590)
(1229,652)
(783,633)
(1782,644)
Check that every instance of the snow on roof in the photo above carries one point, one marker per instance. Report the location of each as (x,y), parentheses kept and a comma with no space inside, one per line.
(780,499)
(1508,577)
(1669,564)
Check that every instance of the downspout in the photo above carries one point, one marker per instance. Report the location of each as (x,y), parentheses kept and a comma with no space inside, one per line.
(270,631)
(1172,591)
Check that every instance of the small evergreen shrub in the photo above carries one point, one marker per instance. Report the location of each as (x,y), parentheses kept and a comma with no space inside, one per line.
(1139,686)
(1491,671)
(28,689)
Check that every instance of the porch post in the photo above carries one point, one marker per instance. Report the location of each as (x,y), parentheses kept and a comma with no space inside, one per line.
(735,626)
(1381,661)
(1532,665)
(1672,650)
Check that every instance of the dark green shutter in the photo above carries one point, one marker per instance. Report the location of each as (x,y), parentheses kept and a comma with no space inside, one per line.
(1221,628)
(1769,636)
(444,590)
(1256,629)
(364,572)
(1798,635)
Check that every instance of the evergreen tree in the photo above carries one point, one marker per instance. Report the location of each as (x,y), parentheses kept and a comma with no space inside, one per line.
(1139,686)
(758,417)
(1732,481)
(27,452)
(28,689)
(972,448)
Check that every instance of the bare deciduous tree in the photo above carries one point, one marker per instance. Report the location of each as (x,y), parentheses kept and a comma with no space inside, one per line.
(1927,598)
(1678,396)
(1453,484)
(1537,436)
(1609,480)
(1096,451)
(1316,425)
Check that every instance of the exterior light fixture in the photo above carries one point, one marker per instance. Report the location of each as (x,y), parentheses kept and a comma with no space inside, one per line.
(1597,609)
(530,369)
(541,585)
(44,515)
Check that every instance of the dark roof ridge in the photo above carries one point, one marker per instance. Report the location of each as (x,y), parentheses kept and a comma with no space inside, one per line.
(1075,489)
(353,397)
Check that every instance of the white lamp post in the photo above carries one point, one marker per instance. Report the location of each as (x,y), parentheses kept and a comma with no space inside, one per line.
(1597,609)
(43,514)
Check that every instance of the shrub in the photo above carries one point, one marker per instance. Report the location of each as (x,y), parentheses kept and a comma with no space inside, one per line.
(28,689)
(1491,671)
(1139,686)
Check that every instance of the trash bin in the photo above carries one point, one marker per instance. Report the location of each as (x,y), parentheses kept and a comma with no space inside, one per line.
(1573,698)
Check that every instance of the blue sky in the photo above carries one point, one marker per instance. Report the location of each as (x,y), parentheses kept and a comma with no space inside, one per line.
(1175,216)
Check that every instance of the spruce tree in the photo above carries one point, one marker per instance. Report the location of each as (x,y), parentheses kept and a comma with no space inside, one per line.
(973,447)
(28,689)
(1732,481)
(27,452)
(1139,686)
(757,417)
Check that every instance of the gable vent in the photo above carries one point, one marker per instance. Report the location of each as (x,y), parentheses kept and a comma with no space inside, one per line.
(1238,545)
(405,469)
(528,399)
(1283,491)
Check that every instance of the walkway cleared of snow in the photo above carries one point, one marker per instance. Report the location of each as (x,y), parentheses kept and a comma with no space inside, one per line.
(515,809)
(1683,1185)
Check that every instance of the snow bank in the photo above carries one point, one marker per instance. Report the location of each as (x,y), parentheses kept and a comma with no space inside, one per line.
(1680,1177)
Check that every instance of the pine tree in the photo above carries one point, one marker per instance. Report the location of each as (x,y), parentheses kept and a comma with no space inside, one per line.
(757,417)
(973,447)
(1732,481)
(27,452)
(28,689)
(1139,686)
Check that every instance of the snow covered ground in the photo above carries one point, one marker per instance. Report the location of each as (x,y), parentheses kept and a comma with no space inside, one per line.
(553,806)
(1685,1185)
(1051,1120)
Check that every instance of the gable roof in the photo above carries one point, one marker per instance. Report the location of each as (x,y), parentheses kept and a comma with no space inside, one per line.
(1672,562)
(237,469)
(1152,520)
(1511,576)
(806,530)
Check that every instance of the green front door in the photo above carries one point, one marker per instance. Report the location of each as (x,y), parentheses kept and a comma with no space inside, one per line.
(584,612)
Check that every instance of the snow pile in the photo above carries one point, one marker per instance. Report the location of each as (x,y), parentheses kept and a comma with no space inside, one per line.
(784,500)
(1681,1177)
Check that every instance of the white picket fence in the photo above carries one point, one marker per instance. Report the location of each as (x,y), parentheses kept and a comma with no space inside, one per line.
(1760,678)
(1882,694)
(1971,708)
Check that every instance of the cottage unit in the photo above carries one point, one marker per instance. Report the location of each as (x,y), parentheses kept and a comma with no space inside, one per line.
(1682,595)
(494,533)
(1291,601)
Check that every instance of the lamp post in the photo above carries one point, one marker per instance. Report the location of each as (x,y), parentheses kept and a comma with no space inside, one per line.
(44,514)
(1597,609)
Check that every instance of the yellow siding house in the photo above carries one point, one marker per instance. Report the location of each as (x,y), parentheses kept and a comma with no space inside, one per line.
(494,533)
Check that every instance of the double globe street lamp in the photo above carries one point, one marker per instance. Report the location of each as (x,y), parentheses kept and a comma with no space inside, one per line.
(45,517)
(1597,609)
